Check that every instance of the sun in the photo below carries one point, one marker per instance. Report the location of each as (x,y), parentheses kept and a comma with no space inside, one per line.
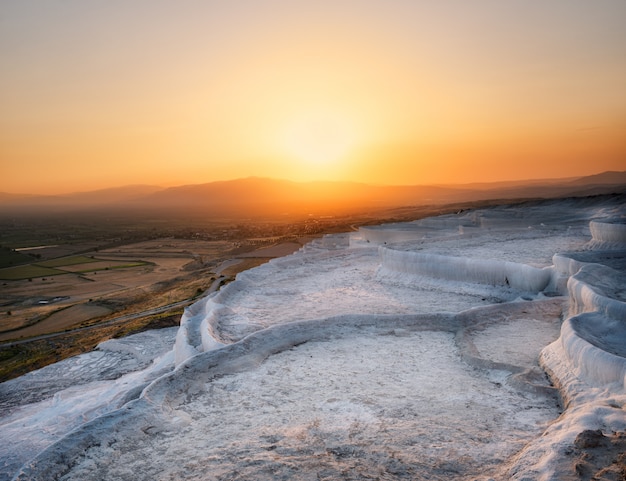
(319,138)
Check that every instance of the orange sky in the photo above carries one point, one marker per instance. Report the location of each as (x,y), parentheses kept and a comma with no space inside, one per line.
(104,93)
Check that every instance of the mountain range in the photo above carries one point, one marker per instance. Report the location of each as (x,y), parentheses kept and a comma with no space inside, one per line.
(254,195)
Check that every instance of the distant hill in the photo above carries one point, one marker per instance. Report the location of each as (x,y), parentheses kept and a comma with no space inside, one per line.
(255,196)
(114,194)
(260,195)
(111,195)
(605,178)
(6,197)
(270,195)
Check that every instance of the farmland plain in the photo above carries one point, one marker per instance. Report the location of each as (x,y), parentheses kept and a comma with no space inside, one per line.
(83,277)
(73,279)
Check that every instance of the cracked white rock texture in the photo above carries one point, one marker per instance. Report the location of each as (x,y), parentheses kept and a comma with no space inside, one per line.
(327,365)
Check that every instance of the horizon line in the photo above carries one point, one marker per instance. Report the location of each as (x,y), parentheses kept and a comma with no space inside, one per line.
(327,181)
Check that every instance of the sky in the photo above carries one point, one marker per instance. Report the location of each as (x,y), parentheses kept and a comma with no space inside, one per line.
(102,93)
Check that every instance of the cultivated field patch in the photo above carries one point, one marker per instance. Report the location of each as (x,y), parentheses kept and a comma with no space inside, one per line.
(60,320)
(67,261)
(171,248)
(9,257)
(28,272)
(102,264)
(65,265)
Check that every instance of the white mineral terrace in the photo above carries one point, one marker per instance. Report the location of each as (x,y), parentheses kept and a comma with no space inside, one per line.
(402,351)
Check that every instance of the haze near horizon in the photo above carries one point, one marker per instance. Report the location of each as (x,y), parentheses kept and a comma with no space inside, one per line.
(103,94)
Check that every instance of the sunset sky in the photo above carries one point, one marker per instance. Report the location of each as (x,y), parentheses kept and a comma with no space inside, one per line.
(103,93)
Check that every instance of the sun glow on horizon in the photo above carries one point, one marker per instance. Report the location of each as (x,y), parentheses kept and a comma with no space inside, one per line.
(378,92)
(318,139)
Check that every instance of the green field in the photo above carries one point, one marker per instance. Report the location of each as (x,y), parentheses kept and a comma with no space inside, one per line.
(111,267)
(47,268)
(67,261)
(27,272)
(9,257)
